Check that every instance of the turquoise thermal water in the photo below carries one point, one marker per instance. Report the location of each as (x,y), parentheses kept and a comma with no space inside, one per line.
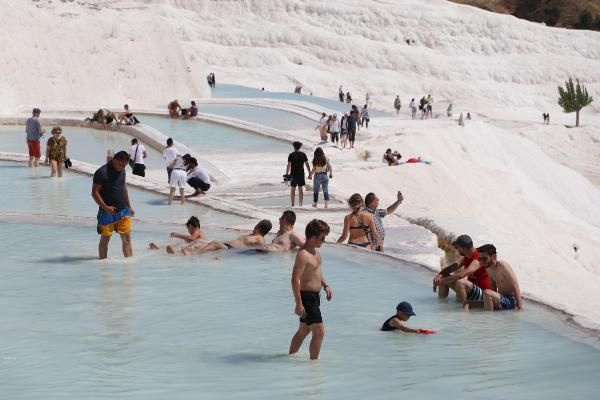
(84,144)
(217,326)
(236,91)
(32,191)
(209,138)
(264,116)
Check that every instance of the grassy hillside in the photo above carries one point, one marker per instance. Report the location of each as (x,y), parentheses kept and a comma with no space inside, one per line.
(576,14)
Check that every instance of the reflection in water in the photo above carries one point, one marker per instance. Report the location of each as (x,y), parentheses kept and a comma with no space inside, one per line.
(113,341)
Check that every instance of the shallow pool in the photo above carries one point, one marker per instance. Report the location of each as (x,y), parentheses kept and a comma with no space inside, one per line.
(264,116)
(84,144)
(218,327)
(208,138)
(32,191)
(236,91)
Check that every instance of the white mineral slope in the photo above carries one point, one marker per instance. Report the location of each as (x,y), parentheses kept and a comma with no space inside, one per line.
(91,55)
(149,51)
(479,59)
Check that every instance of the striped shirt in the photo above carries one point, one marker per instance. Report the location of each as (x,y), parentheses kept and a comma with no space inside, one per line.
(377,215)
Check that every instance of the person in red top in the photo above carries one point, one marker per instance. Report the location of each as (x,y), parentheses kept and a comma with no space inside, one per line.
(467,277)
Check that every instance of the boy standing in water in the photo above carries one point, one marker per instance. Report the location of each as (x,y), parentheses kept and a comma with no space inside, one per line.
(307,280)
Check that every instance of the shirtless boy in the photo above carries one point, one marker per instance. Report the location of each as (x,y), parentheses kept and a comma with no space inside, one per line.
(307,280)
(286,239)
(194,237)
(508,295)
(254,239)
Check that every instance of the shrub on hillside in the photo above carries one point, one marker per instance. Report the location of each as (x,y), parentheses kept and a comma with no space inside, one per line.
(573,98)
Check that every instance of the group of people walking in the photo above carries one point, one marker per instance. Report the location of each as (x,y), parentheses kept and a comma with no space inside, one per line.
(343,130)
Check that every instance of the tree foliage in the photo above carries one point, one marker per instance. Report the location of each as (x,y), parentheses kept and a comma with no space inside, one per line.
(573,97)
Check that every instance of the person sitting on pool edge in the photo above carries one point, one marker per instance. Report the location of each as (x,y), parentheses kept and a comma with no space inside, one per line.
(467,277)
(254,239)
(508,294)
(194,237)
(396,322)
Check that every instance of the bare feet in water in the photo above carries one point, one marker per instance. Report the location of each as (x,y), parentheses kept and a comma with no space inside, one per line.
(153,246)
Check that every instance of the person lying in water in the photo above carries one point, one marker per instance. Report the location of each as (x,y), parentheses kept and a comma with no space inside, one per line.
(286,239)
(254,239)
(195,236)
(396,322)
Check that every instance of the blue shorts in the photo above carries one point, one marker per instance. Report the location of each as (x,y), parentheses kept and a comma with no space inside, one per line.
(506,303)
(120,222)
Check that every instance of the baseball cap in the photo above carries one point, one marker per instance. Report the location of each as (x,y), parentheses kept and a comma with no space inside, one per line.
(463,241)
(406,308)
(36,110)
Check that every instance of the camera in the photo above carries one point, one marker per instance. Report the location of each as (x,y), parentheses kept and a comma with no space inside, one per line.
(287,178)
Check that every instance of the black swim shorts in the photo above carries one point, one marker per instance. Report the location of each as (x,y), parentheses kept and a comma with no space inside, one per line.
(312,311)
(297,181)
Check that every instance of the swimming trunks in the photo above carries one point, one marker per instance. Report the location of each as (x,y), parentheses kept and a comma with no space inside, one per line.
(476,294)
(366,244)
(120,222)
(257,250)
(312,312)
(297,180)
(35,149)
(506,303)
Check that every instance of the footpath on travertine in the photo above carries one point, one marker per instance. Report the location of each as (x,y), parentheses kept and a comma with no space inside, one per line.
(404,241)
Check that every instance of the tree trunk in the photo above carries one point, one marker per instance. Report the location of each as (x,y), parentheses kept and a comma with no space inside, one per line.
(577,119)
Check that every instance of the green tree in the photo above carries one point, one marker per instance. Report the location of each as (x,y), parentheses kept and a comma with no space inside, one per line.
(573,98)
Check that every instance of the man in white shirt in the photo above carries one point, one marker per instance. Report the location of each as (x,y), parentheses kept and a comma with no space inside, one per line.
(197,177)
(170,154)
(137,154)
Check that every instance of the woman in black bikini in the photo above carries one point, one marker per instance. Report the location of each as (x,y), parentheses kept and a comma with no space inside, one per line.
(359,224)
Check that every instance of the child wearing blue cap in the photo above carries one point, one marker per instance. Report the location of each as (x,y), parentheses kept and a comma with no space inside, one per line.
(396,322)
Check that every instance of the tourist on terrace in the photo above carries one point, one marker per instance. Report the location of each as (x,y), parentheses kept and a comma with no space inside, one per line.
(137,154)
(371,204)
(297,160)
(174,109)
(56,152)
(358,225)
(34,131)
(110,193)
(321,169)
(197,177)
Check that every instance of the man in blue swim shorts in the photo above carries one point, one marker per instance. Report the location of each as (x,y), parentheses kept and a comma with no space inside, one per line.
(508,296)
(115,212)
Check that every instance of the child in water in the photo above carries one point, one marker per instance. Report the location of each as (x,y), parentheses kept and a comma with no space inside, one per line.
(396,322)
